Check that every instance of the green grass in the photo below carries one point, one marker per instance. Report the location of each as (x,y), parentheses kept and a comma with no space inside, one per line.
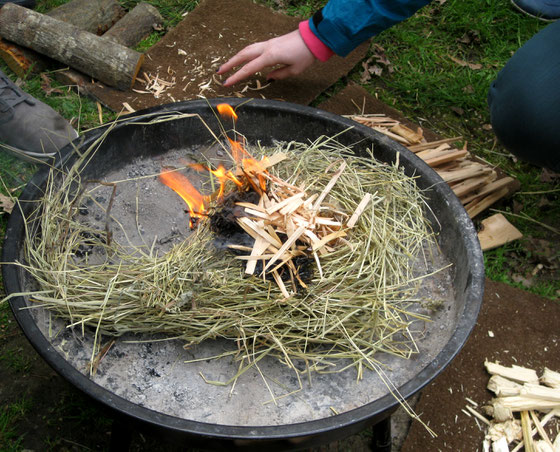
(10,440)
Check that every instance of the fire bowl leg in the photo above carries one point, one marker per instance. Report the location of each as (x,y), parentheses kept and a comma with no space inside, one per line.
(121,436)
(381,441)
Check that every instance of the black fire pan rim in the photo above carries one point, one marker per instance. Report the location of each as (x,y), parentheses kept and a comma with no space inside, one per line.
(350,421)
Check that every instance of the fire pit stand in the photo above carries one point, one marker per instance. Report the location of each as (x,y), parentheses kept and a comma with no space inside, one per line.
(259,121)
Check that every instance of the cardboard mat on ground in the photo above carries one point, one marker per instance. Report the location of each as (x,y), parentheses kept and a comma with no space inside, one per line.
(182,65)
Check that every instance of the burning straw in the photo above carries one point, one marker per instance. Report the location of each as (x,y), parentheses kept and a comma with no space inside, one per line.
(357,305)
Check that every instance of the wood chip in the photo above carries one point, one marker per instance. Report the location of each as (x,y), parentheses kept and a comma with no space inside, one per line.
(359,210)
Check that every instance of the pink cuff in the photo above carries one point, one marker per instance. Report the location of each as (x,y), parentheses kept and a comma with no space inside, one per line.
(315,45)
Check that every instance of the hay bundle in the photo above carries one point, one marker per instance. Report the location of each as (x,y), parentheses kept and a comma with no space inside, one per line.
(357,306)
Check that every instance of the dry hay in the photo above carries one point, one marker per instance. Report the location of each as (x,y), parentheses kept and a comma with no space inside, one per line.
(358,307)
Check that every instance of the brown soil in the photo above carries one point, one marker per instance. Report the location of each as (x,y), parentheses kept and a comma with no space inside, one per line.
(525,330)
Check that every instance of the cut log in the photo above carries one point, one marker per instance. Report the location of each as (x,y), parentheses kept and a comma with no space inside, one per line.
(95,16)
(135,25)
(21,60)
(98,57)
(128,31)
(497,231)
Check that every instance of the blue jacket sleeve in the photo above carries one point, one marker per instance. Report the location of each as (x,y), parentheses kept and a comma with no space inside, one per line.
(342,25)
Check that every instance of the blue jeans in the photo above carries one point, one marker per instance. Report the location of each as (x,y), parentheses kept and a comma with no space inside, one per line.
(524,100)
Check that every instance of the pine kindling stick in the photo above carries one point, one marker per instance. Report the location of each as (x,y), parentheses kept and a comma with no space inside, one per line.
(392,135)
(329,186)
(503,386)
(489,188)
(525,403)
(289,242)
(332,236)
(540,429)
(463,188)
(472,171)
(541,392)
(477,206)
(359,210)
(527,437)
(275,207)
(543,422)
(259,247)
(516,373)
(446,157)
(551,378)
(254,231)
(408,134)
(432,144)
(280,284)
(429,153)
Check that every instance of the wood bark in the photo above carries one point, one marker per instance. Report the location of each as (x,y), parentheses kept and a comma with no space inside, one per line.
(95,16)
(135,25)
(101,58)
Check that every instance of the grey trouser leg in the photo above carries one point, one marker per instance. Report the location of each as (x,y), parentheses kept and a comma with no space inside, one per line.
(524,100)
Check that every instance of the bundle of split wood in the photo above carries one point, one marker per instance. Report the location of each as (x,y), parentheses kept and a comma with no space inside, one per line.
(287,210)
(520,393)
(475,183)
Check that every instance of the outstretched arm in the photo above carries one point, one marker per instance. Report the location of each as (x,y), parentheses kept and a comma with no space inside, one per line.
(289,51)
(338,27)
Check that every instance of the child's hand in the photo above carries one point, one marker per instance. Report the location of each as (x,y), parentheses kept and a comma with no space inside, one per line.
(288,50)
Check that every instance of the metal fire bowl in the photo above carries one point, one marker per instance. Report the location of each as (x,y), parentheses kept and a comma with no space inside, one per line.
(264,121)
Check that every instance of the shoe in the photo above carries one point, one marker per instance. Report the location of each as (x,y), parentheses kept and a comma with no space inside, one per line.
(26,3)
(29,128)
(547,10)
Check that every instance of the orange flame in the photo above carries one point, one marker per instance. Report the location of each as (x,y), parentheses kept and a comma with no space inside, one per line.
(182,186)
(226,111)
(238,152)
(223,176)
(250,174)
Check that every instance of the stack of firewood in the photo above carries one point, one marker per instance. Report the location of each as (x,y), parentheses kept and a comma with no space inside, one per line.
(522,409)
(70,33)
(476,183)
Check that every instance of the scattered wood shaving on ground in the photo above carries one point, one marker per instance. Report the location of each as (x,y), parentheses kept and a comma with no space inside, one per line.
(6,204)
(154,85)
